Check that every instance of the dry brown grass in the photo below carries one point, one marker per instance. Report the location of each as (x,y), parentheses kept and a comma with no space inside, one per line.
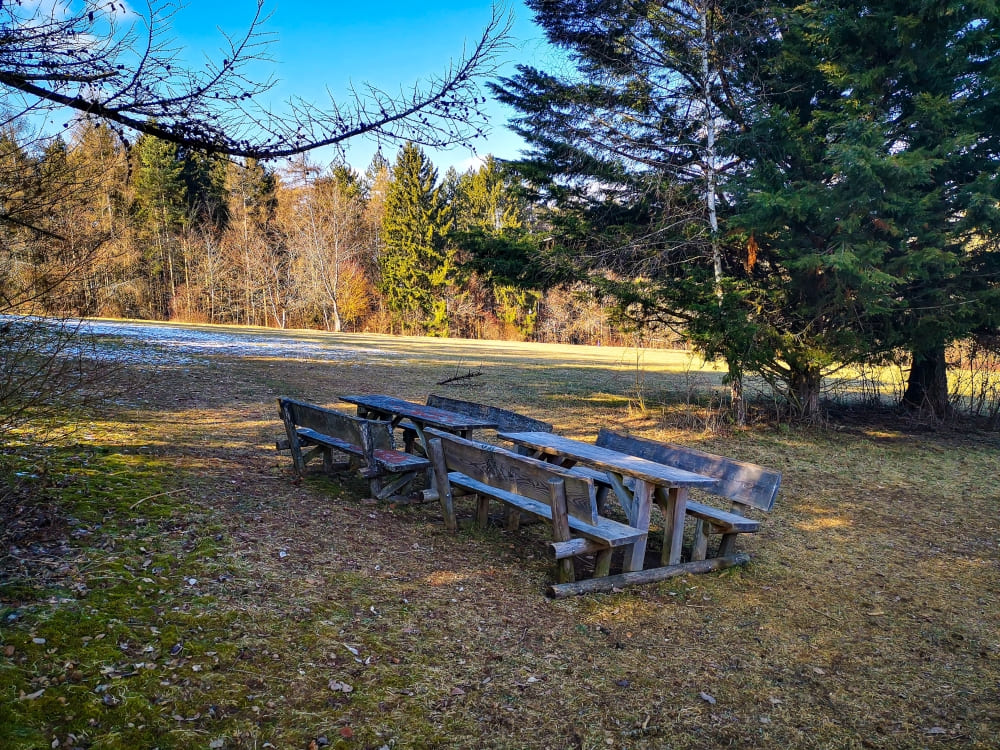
(868,617)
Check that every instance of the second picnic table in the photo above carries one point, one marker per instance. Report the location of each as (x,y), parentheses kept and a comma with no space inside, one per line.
(650,478)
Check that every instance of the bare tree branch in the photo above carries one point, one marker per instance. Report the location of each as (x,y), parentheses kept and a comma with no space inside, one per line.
(105,62)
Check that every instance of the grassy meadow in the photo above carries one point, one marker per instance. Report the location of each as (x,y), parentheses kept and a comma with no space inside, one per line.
(166,581)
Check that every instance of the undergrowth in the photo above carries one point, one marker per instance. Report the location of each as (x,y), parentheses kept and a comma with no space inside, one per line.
(111,633)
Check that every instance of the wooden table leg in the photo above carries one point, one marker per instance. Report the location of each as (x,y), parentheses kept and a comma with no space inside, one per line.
(673,525)
(642,503)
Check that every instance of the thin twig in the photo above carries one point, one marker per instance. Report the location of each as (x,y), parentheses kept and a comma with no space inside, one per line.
(825,614)
(137,503)
(469,374)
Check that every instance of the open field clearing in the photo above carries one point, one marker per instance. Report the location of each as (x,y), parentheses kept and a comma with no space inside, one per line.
(167,582)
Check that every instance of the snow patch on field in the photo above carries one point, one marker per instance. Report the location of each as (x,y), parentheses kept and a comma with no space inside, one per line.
(149,343)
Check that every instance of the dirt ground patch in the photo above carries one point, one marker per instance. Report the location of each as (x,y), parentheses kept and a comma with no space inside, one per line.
(317,617)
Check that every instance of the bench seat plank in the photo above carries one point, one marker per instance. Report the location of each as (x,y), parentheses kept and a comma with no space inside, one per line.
(389,460)
(311,437)
(396,461)
(727,522)
(606,530)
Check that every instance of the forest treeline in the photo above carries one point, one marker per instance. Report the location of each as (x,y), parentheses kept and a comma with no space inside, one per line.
(153,232)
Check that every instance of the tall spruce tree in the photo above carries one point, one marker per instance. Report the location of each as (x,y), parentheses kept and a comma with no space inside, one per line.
(497,245)
(416,262)
(626,150)
(873,193)
(161,204)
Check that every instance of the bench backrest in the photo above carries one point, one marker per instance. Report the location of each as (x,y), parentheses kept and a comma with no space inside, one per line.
(336,424)
(522,475)
(742,483)
(507,421)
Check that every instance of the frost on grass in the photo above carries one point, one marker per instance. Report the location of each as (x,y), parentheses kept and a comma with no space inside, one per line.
(144,343)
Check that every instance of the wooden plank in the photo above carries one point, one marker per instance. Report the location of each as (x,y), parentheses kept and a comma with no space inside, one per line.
(396,461)
(738,481)
(560,527)
(308,436)
(673,525)
(602,563)
(638,516)
(574,547)
(443,485)
(418,413)
(612,532)
(723,520)
(497,467)
(606,584)
(288,419)
(608,460)
(700,547)
(504,418)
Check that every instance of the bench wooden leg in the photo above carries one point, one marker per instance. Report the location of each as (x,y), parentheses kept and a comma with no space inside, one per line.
(642,505)
(700,548)
(409,438)
(293,439)
(440,473)
(560,528)
(727,545)
(513,519)
(602,563)
(602,499)
(673,525)
(482,511)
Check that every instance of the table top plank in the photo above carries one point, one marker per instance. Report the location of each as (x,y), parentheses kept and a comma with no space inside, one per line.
(423,415)
(608,460)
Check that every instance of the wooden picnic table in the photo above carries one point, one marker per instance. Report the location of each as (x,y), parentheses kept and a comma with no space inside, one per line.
(650,478)
(418,416)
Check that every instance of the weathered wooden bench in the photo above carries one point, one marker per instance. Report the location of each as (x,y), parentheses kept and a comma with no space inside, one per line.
(527,485)
(507,421)
(504,418)
(746,486)
(366,444)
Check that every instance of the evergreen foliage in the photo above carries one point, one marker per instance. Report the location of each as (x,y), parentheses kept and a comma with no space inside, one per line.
(416,262)
(874,153)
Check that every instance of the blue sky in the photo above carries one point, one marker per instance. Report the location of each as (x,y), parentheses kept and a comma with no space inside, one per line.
(390,44)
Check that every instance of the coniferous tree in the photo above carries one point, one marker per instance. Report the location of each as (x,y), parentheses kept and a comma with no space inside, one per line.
(416,263)
(161,201)
(873,194)
(205,183)
(497,245)
(627,159)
